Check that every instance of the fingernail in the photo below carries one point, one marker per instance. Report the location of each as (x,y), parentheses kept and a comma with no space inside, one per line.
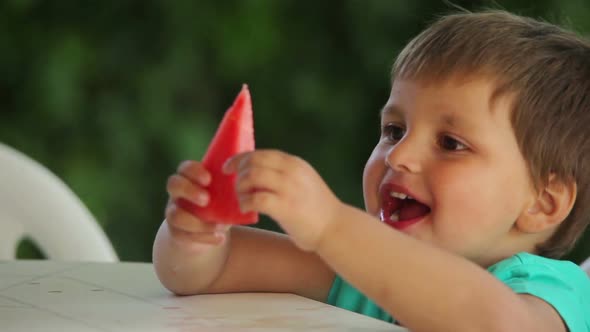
(205,178)
(219,236)
(225,167)
(241,203)
(222,228)
(202,199)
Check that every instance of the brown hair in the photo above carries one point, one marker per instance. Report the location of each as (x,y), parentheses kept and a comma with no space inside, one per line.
(546,69)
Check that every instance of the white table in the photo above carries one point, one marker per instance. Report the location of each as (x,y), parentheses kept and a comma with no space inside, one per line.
(67,297)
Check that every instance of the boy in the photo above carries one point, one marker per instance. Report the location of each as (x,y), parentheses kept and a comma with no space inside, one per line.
(480,177)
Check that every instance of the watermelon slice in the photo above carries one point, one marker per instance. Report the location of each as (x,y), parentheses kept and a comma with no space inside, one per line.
(235,134)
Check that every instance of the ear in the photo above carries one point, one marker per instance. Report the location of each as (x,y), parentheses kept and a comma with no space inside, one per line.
(551,206)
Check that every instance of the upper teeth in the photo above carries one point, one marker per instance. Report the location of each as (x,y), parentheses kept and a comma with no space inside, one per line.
(399,195)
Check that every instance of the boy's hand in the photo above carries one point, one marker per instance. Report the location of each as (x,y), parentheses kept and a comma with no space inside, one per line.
(287,189)
(188,185)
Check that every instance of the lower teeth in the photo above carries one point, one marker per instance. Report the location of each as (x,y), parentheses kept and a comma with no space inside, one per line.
(394,216)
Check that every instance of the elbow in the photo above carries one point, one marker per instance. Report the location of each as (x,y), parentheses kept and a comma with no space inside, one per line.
(172,281)
(176,284)
(180,291)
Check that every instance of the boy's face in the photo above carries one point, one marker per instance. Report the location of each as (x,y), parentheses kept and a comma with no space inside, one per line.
(455,153)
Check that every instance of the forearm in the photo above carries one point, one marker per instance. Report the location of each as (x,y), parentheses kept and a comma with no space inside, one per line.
(186,268)
(425,288)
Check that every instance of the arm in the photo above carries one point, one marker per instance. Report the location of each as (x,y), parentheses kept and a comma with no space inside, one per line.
(425,288)
(437,291)
(251,260)
(191,256)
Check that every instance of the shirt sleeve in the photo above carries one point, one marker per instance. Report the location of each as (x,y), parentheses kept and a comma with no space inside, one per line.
(561,284)
(345,296)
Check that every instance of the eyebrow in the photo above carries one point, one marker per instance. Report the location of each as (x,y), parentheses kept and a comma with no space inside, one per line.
(390,109)
(448,119)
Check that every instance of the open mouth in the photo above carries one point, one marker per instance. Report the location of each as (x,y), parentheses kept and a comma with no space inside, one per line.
(400,210)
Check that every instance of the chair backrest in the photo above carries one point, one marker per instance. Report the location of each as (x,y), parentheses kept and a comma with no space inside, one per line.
(586,266)
(35,203)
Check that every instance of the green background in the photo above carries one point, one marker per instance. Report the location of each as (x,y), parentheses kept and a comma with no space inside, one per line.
(112,95)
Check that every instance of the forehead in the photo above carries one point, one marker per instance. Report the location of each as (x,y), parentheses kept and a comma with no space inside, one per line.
(449,96)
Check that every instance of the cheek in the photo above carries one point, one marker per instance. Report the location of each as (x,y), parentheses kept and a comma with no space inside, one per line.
(479,196)
(372,176)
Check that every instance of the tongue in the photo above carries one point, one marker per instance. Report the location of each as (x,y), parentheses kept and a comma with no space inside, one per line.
(412,210)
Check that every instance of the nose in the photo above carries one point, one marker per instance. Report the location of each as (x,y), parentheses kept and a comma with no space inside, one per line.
(405,156)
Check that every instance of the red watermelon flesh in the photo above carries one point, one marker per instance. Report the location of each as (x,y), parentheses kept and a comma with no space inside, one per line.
(235,134)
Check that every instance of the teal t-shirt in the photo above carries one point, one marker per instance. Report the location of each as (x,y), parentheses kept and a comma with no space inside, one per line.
(562,284)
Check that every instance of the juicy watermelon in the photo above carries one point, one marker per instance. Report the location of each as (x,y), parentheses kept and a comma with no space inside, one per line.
(235,134)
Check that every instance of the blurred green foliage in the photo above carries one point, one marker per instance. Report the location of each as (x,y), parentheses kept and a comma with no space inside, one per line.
(112,95)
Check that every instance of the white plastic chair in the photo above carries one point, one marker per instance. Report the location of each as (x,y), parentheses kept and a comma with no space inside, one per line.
(35,203)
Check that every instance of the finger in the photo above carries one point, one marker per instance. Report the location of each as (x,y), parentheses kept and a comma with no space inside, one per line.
(261,158)
(259,201)
(178,213)
(201,238)
(231,164)
(180,187)
(259,179)
(180,218)
(195,171)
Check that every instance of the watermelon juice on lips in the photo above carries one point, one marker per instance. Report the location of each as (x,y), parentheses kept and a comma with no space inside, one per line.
(234,135)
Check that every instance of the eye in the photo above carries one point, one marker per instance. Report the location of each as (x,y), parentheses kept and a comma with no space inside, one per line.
(449,143)
(393,132)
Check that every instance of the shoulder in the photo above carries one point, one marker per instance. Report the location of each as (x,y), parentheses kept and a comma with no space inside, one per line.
(562,284)
(525,266)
